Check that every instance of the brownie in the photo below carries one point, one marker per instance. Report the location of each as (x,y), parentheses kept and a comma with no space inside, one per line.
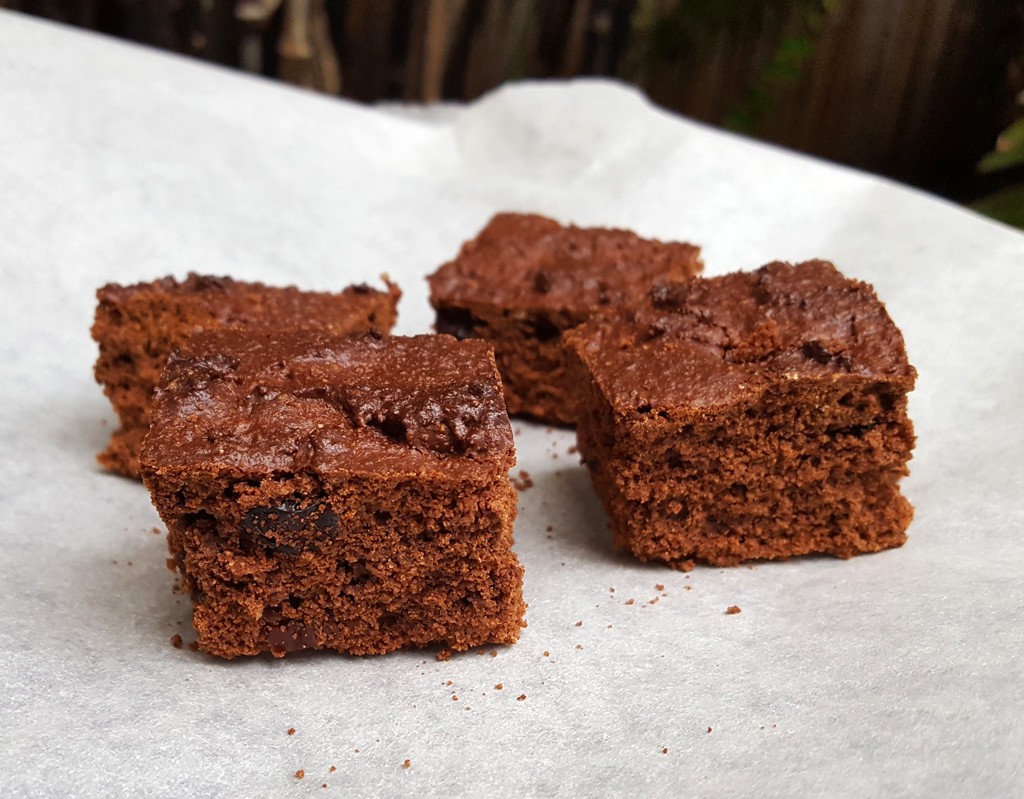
(137,327)
(526,279)
(758,415)
(346,493)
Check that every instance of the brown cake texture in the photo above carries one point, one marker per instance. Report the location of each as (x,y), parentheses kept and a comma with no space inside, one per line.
(758,415)
(525,280)
(138,326)
(340,493)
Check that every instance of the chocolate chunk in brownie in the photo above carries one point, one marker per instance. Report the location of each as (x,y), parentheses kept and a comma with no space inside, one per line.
(755,415)
(137,327)
(526,279)
(342,493)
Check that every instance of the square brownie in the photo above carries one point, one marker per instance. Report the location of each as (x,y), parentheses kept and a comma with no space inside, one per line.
(758,415)
(137,327)
(526,279)
(326,492)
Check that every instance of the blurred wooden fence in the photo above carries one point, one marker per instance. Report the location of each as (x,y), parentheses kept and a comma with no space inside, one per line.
(916,89)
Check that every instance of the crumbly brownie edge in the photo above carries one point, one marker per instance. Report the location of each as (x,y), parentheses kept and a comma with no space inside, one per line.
(529,353)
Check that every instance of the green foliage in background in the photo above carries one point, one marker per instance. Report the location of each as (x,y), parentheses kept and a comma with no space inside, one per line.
(675,30)
(1006,205)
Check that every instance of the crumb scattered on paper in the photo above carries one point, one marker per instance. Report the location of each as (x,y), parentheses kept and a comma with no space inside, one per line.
(523,482)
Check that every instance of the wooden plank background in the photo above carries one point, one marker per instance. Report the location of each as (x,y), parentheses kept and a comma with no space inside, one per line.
(914,89)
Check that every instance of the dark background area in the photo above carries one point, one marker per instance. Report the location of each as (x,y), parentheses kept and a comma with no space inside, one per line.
(918,90)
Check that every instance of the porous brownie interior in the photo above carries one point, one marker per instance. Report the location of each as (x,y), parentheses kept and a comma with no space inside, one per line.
(363,566)
(137,327)
(748,417)
(337,493)
(525,280)
(529,353)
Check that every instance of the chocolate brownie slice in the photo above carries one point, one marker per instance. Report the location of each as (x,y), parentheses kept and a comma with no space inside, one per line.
(526,279)
(137,327)
(324,492)
(755,415)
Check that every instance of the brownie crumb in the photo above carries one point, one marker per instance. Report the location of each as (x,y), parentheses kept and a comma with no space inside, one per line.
(547,654)
(573,450)
(449,682)
(579,623)
(521,698)
(653,601)
(300,774)
(550,529)
(176,641)
(709,729)
(324,785)
(499,686)
(494,653)
(444,654)
(406,764)
(630,601)
(455,698)
(659,587)
(579,646)
(332,769)
(523,482)
(664,751)
(732,610)
(193,646)
(688,587)
(155,530)
(291,731)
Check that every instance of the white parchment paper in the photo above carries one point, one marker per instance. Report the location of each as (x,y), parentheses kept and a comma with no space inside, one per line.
(897,674)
